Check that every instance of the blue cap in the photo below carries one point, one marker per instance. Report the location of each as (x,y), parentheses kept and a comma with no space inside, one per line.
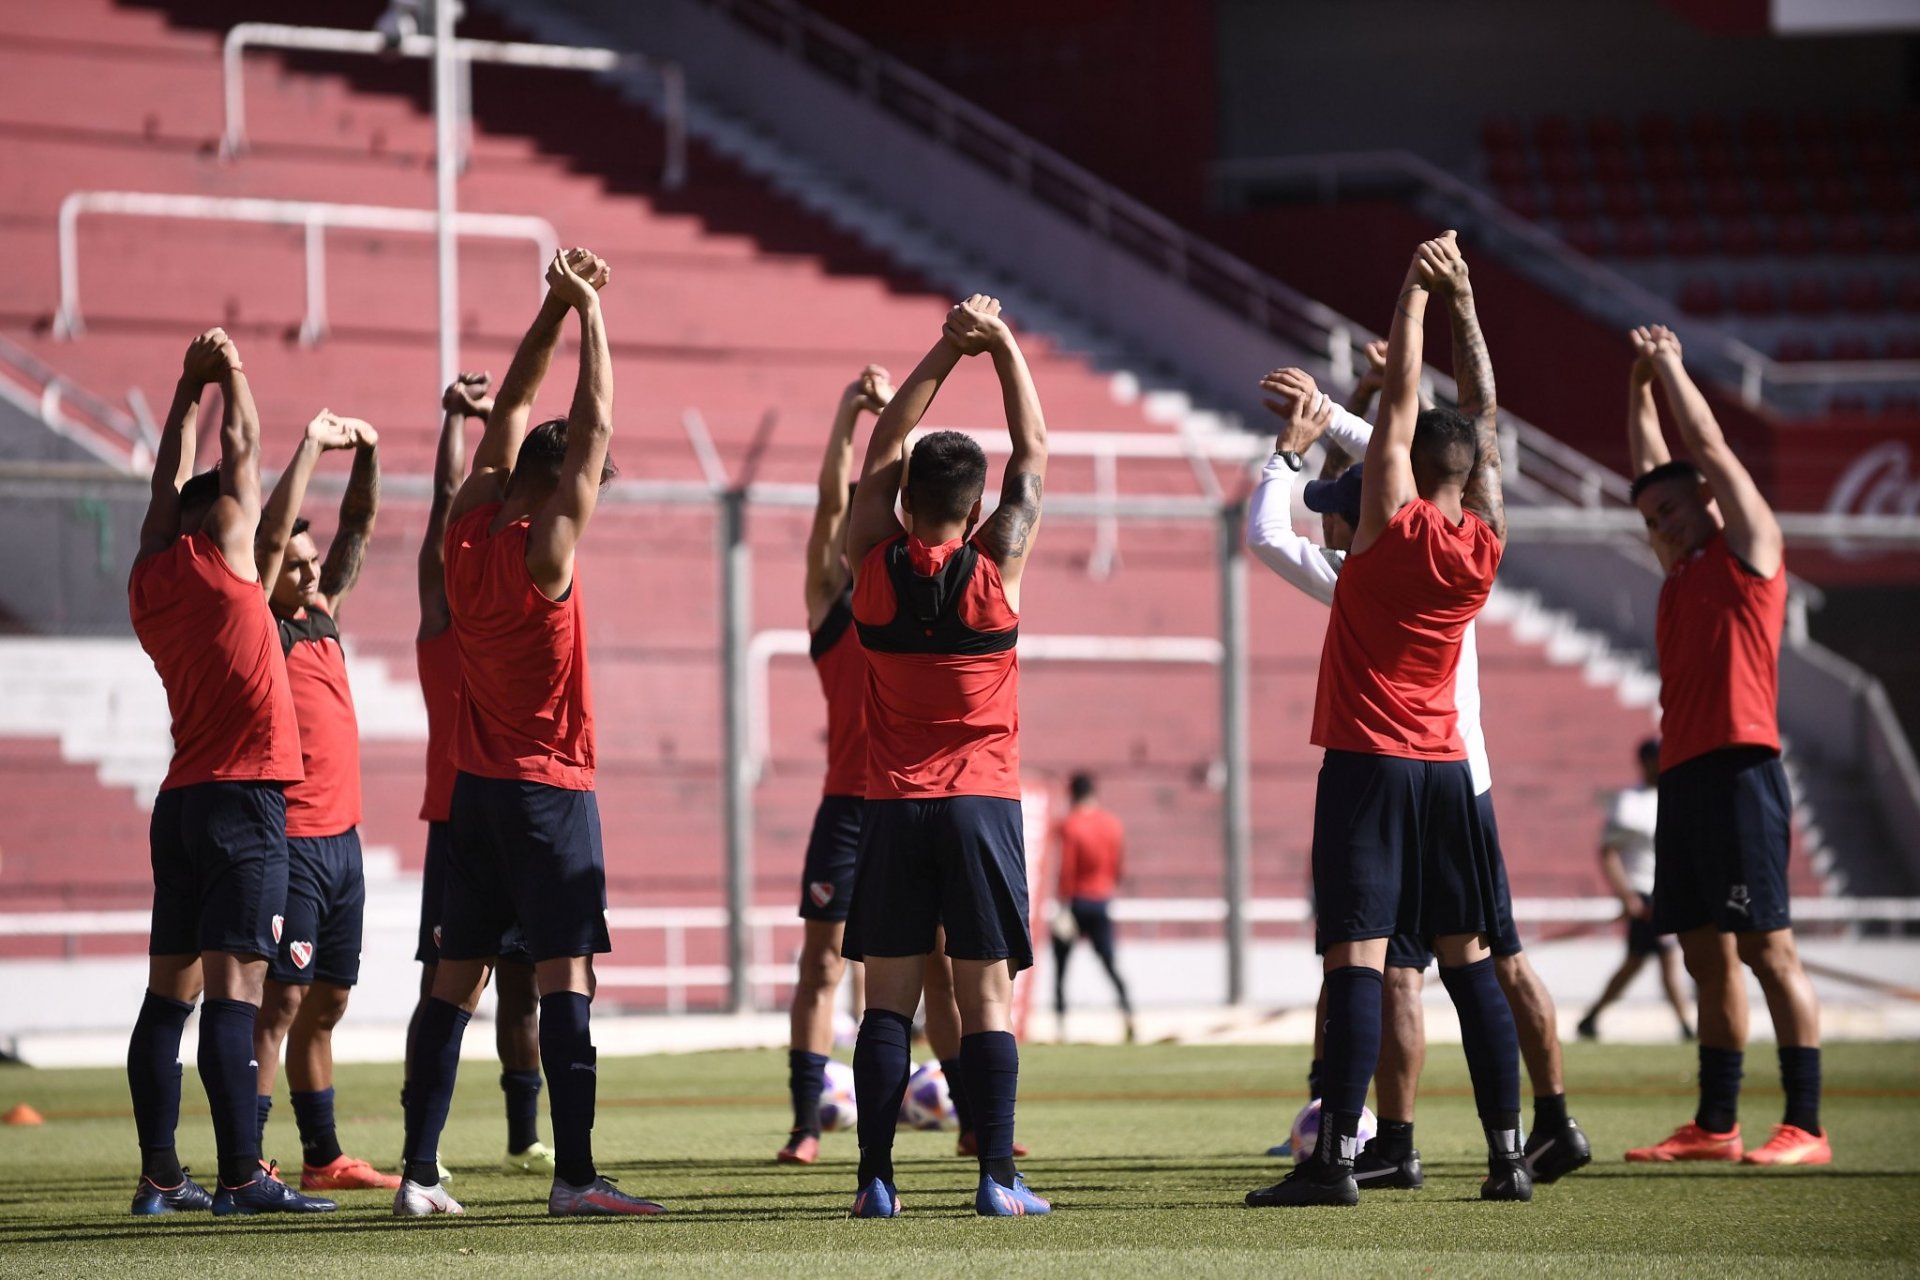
(1337,497)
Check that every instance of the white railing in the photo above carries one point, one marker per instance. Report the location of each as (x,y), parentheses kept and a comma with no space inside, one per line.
(317,217)
(673,84)
(76,414)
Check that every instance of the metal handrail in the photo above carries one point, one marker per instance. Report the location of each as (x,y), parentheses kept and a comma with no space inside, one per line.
(55,392)
(673,80)
(315,216)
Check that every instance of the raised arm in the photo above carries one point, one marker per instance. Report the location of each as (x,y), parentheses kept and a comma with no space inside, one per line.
(173,462)
(871,521)
(1388,483)
(324,433)
(1646,446)
(235,517)
(466,398)
(1473,380)
(1007,535)
(562,519)
(1293,397)
(827,570)
(340,571)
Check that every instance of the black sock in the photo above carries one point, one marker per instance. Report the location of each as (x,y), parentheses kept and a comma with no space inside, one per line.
(881,1064)
(1800,1077)
(572,1067)
(1492,1044)
(430,1077)
(1313,1079)
(990,1060)
(153,1077)
(313,1112)
(1549,1111)
(262,1108)
(806,1077)
(522,1089)
(1394,1141)
(232,1082)
(957,1093)
(1720,1071)
(1351,1053)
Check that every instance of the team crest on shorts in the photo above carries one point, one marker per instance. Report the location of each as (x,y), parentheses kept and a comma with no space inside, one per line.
(436,935)
(279,922)
(821,891)
(1737,900)
(301,953)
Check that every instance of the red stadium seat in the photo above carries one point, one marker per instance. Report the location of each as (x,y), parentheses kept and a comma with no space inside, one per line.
(1809,296)
(1836,196)
(1727,198)
(1569,200)
(1708,131)
(1874,157)
(1820,159)
(1635,238)
(1851,346)
(1888,194)
(1614,164)
(1607,133)
(1701,296)
(1780,195)
(1674,198)
(1761,128)
(1509,166)
(1716,162)
(1907,294)
(1768,160)
(1656,129)
(1795,235)
(1863,295)
(1562,164)
(1901,233)
(1849,234)
(1755,297)
(1519,197)
(1689,238)
(1743,237)
(1665,163)
(1621,200)
(1796,347)
(1554,131)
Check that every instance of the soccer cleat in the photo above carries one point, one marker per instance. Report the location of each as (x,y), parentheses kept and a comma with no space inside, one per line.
(1507,1177)
(1374,1171)
(150,1199)
(1588,1028)
(802,1148)
(415,1201)
(1312,1182)
(345,1173)
(1791,1145)
(266,1194)
(876,1200)
(1553,1154)
(536,1160)
(970,1146)
(995,1201)
(1690,1142)
(598,1199)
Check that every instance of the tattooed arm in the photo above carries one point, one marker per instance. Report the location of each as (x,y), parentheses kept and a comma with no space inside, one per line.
(1009,532)
(348,552)
(1473,376)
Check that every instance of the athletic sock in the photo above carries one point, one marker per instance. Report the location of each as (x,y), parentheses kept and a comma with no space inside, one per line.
(1549,1111)
(1394,1140)
(430,1077)
(1800,1077)
(1492,1044)
(1720,1071)
(1351,1053)
(153,1077)
(232,1080)
(522,1089)
(957,1093)
(262,1108)
(881,1064)
(990,1060)
(806,1077)
(1313,1079)
(567,1054)
(313,1112)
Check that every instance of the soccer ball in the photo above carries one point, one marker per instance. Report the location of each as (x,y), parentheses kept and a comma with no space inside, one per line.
(1306,1129)
(838,1111)
(928,1105)
(845,1030)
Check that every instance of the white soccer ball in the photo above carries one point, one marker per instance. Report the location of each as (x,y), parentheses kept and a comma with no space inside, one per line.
(1306,1129)
(928,1104)
(845,1030)
(838,1110)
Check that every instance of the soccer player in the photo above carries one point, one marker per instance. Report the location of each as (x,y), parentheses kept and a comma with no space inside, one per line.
(219,830)
(1626,858)
(937,604)
(516,1028)
(526,832)
(1092,844)
(1726,818)
(317,961)
(826,882)
(1398,844)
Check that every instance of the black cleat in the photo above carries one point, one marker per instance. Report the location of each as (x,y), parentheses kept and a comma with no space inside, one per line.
(1507,1179)
(1373,1171)
(1588,1028)
(151,1199)
(1552,1154)
(1310,1183)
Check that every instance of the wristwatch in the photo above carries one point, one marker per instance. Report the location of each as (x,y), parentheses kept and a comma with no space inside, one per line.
(1289,457)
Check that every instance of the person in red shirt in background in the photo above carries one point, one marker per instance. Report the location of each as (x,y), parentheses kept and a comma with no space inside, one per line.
(516,1019)
(219,830)
(317,961)
(1725,824)
(1092,844)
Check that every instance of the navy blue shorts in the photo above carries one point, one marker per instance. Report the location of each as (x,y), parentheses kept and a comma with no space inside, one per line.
(326,904)
(1643,939)
(219,852)
(826,884)
(1398,847)
(1404,951)
(526,854)
(1721,842)
(433,888)
(957,860)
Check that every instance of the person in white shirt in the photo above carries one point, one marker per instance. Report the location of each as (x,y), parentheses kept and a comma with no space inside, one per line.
(1626,858)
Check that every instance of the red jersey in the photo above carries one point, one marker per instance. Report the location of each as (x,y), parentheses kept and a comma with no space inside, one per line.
(943,677)
(527,710)
(1718,632)
(438,660)
(1092,841)
(1393,642)
(327,801)
(841,664)
(211,638)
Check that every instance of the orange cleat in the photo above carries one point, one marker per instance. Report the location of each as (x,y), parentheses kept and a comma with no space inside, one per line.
(1690,1142)
(969,1146)
(1791,1145)
(345,1173)
(801,1148)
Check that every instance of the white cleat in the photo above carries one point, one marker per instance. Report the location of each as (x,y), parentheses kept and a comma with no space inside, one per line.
(415,1201)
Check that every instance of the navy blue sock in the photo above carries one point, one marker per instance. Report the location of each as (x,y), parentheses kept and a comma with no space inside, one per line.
(990,1060)
(1313,1080)
(314,1113)
(566,1051)
(232,1081)
(262,1108)
(806,1077)
(1493,1045)
(430,1077)
(881,1064)
(1800,1077)
(957,1092)
(523,1109)
(1351,1052)
(1720,1071)
(153,1077)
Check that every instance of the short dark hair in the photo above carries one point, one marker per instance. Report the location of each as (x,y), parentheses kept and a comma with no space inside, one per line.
(200,490)
(946,476)
(1080,786)
(1678,469)
(1649,751)
(300,526)
(543,453)
(1446,441)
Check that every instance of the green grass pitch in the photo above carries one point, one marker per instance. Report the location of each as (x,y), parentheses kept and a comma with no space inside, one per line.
(1145,1152)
